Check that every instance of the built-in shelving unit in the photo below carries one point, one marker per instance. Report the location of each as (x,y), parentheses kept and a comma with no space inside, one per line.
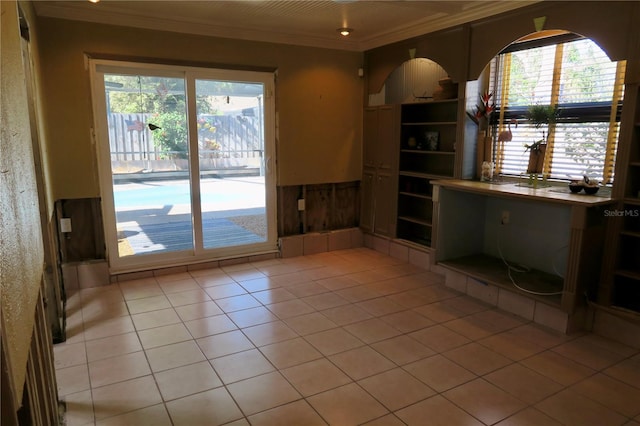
(622,285)
(427,153)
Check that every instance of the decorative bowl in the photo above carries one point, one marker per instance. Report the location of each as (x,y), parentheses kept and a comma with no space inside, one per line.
(591,189)
(575,187)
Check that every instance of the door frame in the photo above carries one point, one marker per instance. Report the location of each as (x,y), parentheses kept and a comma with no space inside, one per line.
(100,135)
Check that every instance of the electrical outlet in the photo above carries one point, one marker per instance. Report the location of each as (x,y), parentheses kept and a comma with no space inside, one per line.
(301,204)
(65,225)
(504,219)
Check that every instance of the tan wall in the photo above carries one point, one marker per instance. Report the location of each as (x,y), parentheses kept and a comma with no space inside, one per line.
(30,15)
(318,98)
(21,251)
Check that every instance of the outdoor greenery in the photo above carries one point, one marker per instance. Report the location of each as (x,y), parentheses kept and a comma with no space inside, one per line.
(589,156)
(172,136)
(163,101)
(542,115)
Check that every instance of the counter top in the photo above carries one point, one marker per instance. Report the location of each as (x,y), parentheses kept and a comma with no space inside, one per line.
(553,194)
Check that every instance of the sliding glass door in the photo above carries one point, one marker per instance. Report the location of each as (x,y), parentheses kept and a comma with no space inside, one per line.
(184,163)
(230,153)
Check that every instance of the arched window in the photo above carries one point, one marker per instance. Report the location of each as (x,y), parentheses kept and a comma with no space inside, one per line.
(572,75)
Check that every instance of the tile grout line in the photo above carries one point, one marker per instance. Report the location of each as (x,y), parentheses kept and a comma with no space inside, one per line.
(600,370)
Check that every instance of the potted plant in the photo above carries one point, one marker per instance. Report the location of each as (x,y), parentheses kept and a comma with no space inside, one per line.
(482,113)
(539,116)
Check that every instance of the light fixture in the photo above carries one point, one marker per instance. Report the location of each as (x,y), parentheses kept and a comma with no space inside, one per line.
(344,31)
(94,1)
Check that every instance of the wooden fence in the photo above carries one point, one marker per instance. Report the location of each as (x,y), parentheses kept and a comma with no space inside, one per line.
(130,139)
(236,137)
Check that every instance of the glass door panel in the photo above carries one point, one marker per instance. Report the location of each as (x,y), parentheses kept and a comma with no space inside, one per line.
(149,154)
(185,157)
(231,145)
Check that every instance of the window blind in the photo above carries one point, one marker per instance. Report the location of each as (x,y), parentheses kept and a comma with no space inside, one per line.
(579,78)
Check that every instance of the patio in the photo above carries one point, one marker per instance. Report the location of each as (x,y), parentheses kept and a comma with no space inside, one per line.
(233,213)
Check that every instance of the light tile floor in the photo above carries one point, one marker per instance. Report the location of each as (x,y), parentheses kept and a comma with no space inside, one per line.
(342,338)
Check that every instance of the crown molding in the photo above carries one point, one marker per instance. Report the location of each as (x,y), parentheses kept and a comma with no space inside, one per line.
(440,22)
(195,27)
(84,11)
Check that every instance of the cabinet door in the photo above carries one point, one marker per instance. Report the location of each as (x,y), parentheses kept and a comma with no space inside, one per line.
(379,135)
(384,204)
(380,153)
(370,137)
(386,149)
(368,201)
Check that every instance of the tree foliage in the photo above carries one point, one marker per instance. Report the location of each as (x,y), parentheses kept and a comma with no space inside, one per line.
(164,99)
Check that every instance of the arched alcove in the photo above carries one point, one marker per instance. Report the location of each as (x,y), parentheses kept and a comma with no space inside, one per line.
(531,39)
(597,22)
(415,80)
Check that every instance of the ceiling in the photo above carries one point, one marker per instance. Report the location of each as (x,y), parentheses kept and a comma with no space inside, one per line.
(300,22)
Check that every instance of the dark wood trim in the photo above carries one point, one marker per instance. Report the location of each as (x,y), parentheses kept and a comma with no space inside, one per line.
(9,407)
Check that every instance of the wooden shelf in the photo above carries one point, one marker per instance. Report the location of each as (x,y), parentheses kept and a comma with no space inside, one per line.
(430,102)
(416,195)
(493,271)
(634,275)
(414,245)
(430,123)
(423,175)
(422,151)
(634,201)
(622,311)
(422,242)
(634,234)
(416,220)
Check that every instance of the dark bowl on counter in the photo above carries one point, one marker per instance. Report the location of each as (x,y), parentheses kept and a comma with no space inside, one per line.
(591,189)
(575,187)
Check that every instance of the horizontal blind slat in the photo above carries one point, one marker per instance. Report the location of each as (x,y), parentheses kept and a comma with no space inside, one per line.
(585,90)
